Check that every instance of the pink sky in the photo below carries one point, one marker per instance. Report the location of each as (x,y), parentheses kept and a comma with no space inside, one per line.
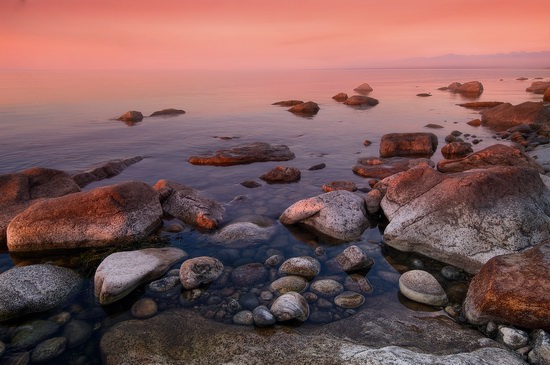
(244,34)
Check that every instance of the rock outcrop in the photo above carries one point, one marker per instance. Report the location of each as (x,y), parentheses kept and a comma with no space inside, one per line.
(408,145)
(466,218)
(245,154)
(456,150)
(471,88)
(507,115)
(115,214)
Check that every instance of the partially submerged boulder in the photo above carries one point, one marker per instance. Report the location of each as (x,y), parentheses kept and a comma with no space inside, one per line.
(481,104)
(408,145)
(131,116)
(506,115)
(361,100)
(339,214)
(104,170)
(282,174)
(513,289)
(340,97)
(307,108)
(170,112)
(245,154)
(105,216)
(495,155)
(538,87)
(380,168)
(245,231)
(363,88)
(456,150)
(471,88)
(288,102)
(546,96)
(186,204)
(466,218)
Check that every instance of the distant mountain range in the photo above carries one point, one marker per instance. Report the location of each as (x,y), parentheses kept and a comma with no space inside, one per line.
(499,60)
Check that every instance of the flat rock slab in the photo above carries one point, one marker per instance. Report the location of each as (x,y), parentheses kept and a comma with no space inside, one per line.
(380,168)
(104,170)
(122,272)
(245,154)
(36,288)
(170,112)
(481,104)
(506,115)
(109,215)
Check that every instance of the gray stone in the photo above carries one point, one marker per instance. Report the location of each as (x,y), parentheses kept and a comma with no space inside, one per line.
(290,306)
(353,258)
(31,333)
(540,353)
(452,273)
(263,317)
(49,349)
(512,337)
(121,272)
(349,300)
(288,283)
(244,318)
(326,288)
(420,286)
(165,284)
(305,266)
(200,270)
(372,201)
(76,332)
(36,288)
(340,214)
(245,232)
(249,301)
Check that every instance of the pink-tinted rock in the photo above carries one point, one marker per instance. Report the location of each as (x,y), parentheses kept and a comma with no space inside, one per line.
(339,185)
(245,154)
(341,97)
(538,87)
(363,88)
(282,174)
(131,116)
(470,88)
(506,115)
(481,104)
(104,170)
(474,122)
(361,100)
(380,168)
(456,150)
(546,96)
(307,108)
(288,102)
(408,144)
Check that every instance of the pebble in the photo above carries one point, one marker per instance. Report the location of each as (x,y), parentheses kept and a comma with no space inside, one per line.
(305,266)
(266,295)
(416,264)
(263,317)
(144,308)
(287,284)
(61,318)
(353,259)
(2,348)
(249,274)
(420,286)
(49,349)
(310,297)
(512,337)
(274,260)
(349,299)
(251,184)
(165,284)
(233,306)
(452,273)
(290,306)
(200,270)
(244,318)
(317,167)
(29,334)
(326,288)
(249,301)
(189,297)
(174,228)
(76,332)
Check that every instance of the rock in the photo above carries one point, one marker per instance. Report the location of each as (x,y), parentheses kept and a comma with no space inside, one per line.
(340,97)
(452,87)
(540,354)
(288,102)
(353,259)
(327,288)
(20,358)
(541,154)
(131,116)
(251,184)
(349,300)
(358,283)
(522,78)
(165,284)
(424,94)
(380,168)
(245,318)
(512,337)
(290,306)
(121,213)
(433,126)
(249,275)
(36,288)
(481,104)
(121,272)
(339,185)
(249,301)
(20,190)
(242,235)
(466,218)
(495,155)
(468,88)
(507,115)
(364,88)
(307,108)
(474,122)
(263,317)
(171,112)
(287,284)
(452,273)
(361,100)
(31,334)
(245,154)
(281,174)
(538,87)
(186,204)
(144,308)
(420,286)
(338,214)
(49,349)
(546,96)
(372,201)
(200,270)
(104,170)
(317,167)
(513,289)
(76,332)
(304,266)
(456,150)
(408,145)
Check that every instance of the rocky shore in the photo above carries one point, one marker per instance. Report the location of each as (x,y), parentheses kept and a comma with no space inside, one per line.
(464,244)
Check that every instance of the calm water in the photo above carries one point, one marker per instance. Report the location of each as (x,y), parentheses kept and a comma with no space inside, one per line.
(64,120)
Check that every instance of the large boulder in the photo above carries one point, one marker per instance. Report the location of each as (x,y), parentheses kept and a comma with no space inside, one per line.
(470,88)
(104,170)
(105,216)
(131,116)
(495,155)
(408,145)
(380,168)
(339,214)
(466,218)
(36,288)
(506,115)
(186,203)
(538,87)
(121,272)
(512,289)
(245,154)
(20,190)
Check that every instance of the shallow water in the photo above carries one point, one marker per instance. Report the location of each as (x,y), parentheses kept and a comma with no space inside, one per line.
(64,120)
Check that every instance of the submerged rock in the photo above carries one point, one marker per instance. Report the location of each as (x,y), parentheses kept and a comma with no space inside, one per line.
(420,286)
(353,258)
(200,270)
(282,174)
(326,288)
(105,170)
(121,272)
(339,214)
(380,168)
(349,300)
(307,108)
(364,87)
(507,115)
(408,145)
(245,232)
(361,100)
(287,284)
(31,333)
(171,112)
(290,306)
(36,288)
(304,266)
(481,104)
(339,185)
(456,150)
(49,349)
(245,154)
(288,102)
(131,116)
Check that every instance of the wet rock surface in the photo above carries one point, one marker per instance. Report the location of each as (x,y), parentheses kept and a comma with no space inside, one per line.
(422,287)
(282,174)
(361,100)
(380,168)
(408,145)
(506,115)
(200,270)
(170,112)
(245,154)
(131,116)
(307,108)
(104,170)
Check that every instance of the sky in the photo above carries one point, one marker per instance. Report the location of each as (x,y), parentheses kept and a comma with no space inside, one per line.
(261,34)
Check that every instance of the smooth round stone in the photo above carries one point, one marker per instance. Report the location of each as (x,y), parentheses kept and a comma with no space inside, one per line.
(49,349)
(244,318)
(290,306)
(420,286)
(452,273)
(29,334)
(416,264)
(249,301)
(76,332)
(349,300)
(310,297)
(61,318)
(266,295)
(274,260)
(144,308)
(233,306)
(512,337)
(263,317)
(200,270)
(326,288)
(288,284)
(358,283)
(189,297)
(165,284)
(305,266)
(249,274)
